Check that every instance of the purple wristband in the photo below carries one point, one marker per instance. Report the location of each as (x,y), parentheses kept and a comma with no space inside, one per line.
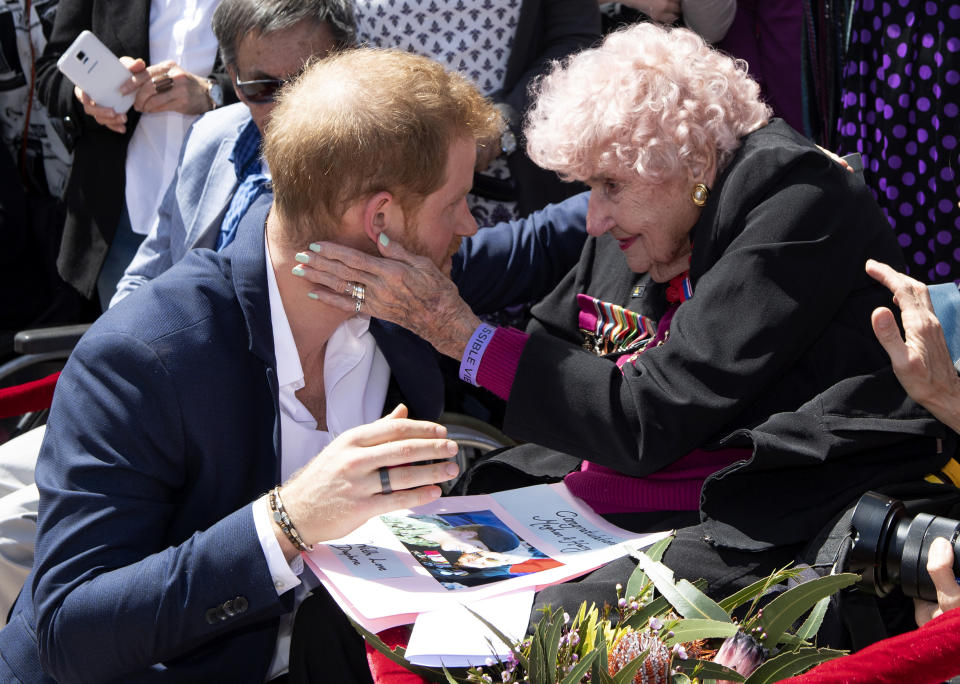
(474,352)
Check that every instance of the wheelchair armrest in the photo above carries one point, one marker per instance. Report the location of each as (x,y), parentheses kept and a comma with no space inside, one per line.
(46,340)
(473,433)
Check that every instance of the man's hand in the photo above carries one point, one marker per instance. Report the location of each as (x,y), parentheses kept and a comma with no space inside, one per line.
(107,116)
(186,94)
(920,359)
(836,159)
(940,567)
(340,488)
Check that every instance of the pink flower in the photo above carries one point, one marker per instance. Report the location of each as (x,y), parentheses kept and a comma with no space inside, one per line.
(742,653)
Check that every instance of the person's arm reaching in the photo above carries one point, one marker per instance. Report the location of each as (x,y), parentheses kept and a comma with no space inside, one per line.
(920,358)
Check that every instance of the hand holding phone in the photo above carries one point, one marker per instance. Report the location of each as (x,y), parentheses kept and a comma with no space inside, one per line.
(97,72)
(106,116)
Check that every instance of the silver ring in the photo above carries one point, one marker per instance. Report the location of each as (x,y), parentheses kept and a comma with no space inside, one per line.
(359,304)
(359,292)
(385,487)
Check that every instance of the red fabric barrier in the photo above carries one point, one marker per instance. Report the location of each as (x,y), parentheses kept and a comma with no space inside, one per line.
(30,396)
(384,670)
(927,655)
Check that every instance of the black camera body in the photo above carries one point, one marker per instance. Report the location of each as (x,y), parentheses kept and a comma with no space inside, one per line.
(890,547)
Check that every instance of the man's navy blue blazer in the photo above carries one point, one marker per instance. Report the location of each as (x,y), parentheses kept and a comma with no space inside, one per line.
(164,428)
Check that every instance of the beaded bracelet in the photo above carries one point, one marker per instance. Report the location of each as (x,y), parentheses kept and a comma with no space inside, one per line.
(283,520)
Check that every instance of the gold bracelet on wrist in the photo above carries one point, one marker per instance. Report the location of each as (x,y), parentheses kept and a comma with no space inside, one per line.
(283,520)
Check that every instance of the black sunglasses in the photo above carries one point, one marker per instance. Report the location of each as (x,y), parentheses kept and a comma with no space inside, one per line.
(261,90)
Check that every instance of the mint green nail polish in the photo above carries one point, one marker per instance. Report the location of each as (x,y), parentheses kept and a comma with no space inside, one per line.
(313,295)
(315,247)
(384,240)
(298,271)
(302,257)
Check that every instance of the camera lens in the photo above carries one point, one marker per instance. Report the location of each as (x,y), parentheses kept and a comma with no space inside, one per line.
(891,548)
(81,55)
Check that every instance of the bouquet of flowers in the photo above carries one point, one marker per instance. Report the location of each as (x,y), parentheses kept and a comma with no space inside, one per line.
(663,631)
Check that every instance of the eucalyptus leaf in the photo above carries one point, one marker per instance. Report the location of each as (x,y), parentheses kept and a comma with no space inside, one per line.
(791,642)
(638,578)
(703,605)
(811,625)
(691,630)
(686,599)
(626,673)
(787,608)
(756,589)
(791,663)
(706,669)
(656,607)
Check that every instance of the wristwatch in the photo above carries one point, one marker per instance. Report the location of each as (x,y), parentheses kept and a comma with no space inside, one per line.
(508,141)
(215,93)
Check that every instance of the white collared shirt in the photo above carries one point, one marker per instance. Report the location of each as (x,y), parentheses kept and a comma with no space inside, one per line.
(179,30)
(355,378)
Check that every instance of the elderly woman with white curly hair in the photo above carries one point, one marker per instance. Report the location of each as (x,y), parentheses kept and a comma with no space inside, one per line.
(709,363)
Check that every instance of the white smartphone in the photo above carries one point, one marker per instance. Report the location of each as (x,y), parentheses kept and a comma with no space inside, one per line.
(91,65)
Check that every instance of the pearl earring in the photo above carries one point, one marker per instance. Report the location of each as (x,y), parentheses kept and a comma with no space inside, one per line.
(700,194)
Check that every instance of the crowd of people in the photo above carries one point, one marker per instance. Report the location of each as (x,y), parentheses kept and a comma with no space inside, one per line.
(282,236)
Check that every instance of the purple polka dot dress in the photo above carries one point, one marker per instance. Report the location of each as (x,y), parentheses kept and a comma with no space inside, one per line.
(901,92)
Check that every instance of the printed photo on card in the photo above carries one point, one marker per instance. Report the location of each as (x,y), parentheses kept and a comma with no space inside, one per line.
(467,548)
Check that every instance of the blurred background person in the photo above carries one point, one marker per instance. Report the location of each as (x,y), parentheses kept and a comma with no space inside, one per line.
(501,47)
(263,44)
(33,153)
(899,109)
(122,159)
(767,34)
(710,18)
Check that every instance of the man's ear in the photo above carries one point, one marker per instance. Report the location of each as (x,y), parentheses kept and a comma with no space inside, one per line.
(382,214)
